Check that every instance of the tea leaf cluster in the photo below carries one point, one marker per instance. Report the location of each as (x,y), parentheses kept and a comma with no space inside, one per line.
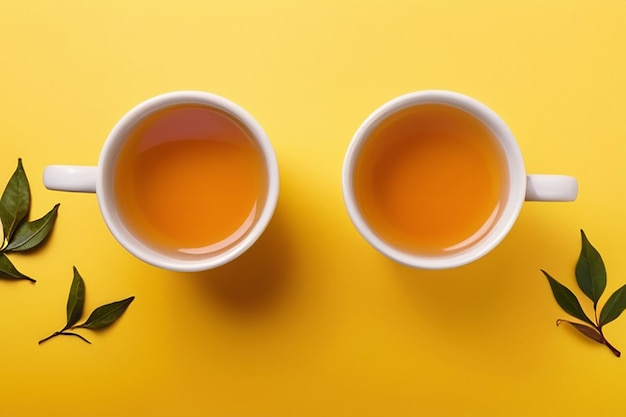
(591,278)
(100,318)
(18,234)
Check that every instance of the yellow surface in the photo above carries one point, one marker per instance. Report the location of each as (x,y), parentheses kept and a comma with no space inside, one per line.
(312,321)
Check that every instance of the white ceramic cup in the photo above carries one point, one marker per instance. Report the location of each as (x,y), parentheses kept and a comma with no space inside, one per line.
(520,185)
(99,179)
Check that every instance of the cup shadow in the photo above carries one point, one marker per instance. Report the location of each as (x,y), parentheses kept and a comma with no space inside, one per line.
(256,281)
(491,307)
(501,285)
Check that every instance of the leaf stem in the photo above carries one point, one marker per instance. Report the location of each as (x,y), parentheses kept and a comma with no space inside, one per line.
(64,333)
(599,328)
(609,345)
(75,334)
(49,337)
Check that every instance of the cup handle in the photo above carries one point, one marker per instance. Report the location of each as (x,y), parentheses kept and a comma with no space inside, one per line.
(551,188)
(70,178)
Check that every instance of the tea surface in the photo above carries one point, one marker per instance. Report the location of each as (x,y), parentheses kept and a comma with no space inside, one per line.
(189,180)
(430,179)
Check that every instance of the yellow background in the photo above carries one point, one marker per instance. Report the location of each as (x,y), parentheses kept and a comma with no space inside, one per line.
(312,321)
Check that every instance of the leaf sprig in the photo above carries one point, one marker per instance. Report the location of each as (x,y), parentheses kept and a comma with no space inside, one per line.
(20,235)
(591,278)
(100,318)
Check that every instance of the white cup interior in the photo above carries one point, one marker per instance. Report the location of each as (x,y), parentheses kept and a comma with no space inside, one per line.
(513,161)
(106,196)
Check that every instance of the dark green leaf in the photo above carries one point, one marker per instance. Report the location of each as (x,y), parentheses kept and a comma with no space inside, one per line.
(590,271)
(15,201)
(29,235)
(590,332)
(8,271)
(75,300)
(107,314)
(613,306)
(566,299)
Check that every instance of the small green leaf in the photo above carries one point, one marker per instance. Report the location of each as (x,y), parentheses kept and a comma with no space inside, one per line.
(590,271)
(75,300)
(614,306)
(8,271)
(566,299)
(106,315)
(590,332)
(29,235)
(15,201)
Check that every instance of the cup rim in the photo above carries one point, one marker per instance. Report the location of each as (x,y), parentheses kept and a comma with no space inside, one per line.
(514,162)
(115,140)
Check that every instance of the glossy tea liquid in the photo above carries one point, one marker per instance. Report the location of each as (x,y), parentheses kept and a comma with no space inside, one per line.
(431,179)
(189,180)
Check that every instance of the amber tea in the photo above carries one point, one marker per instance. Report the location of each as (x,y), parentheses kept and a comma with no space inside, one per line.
(431,179)
(189,180)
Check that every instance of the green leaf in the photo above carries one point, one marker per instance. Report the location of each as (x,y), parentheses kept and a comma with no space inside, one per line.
(8,271)
(75,300)
(590,271)
(614,306)
(106,315)
(590,332)
(29,235)
(566,299)
(15,201)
